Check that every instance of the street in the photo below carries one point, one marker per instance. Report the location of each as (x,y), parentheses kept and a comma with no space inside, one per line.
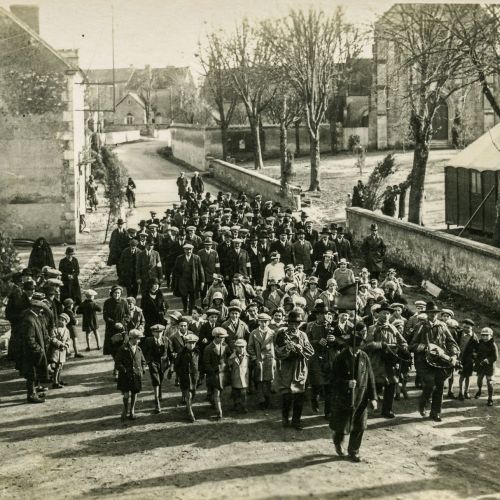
(74,445)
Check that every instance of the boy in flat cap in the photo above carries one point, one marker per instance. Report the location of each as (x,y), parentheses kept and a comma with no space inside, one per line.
(487,355)
(239,370)
(186,367)
(468,343)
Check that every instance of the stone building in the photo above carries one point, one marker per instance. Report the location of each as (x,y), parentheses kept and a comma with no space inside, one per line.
(130,110)
(43,163)
(388,120)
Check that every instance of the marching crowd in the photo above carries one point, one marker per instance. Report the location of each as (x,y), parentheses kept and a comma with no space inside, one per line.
(270,305)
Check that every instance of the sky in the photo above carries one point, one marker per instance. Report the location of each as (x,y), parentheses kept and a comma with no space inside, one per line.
(162,32)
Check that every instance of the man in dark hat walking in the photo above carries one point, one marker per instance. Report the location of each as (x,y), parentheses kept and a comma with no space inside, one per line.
(436,354)
(128,269)
(117,243)
(70,270)
(148,266)
(374,249)
(189,278)
(352,391)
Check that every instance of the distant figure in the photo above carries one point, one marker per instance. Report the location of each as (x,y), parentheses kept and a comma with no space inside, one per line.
(358,195)
(41,255)
(197,184)
(389,202)
(92,193)
(130,192)
(182,184)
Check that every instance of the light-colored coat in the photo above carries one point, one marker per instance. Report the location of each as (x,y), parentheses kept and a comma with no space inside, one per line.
(261,350)
(59,345)
(239,370)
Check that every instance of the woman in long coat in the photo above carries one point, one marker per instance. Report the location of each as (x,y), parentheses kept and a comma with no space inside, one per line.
(153,307)
(70,269)
(41,255)
(115,310)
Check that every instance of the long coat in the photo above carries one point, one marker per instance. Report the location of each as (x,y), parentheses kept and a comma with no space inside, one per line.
(130,368)
(17,303)
(238,263)
(59,345)
(114,311)
(261,351)
(148,266)
(315,332)
(239,370)
(183,287)
(186,368)
(374,249)
(89,309)
(71,286)
(128,267)
(210,262)
(118,241)
(34,361)
(154,310)
(344,417)
(235,332)
(302,254)
(293,369)
(215,365)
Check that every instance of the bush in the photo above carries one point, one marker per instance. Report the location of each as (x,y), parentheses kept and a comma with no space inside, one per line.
(115,180)
(374,191)
(9,263)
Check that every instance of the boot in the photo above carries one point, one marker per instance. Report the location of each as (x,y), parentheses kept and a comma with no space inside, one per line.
(298,404)
(285,409)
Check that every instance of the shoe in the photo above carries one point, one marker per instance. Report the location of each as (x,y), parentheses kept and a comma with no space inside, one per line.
(41,388)
(64,384)
(355,457)
(157,410)
(339,450)
(466,395)
(436,417)
(388,414)
(192,419)
(405,393)
(297,426)
(490,402)
(88,349)
(421,409)
(460,396)
(397,397)
(451,395)
(478,394)
(57,386)
(35,399)
(98,348)
(79,355)
(132,416)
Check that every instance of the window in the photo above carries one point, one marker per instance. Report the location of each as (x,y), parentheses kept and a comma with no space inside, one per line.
(129,102)
(475,183)
(130,119)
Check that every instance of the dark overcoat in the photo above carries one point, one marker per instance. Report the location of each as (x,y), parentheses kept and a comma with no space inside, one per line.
(130,368)
(374,249)
(197,276)
(89,309)
(118,241)
(34,361)
(154,309)
(71,286)
(186,368)
(215,365)
(114,311)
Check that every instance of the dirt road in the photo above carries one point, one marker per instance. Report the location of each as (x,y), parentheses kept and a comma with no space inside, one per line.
(74,445)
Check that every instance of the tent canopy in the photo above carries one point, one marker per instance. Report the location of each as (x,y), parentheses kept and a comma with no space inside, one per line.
(482,154)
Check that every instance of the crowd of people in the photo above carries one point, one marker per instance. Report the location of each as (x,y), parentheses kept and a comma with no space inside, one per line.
(269,305)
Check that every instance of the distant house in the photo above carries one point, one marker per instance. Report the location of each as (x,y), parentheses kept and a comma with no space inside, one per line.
(130,110)
(43,165)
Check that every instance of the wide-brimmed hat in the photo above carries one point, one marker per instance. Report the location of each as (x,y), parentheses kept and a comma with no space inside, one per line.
(431,307)
(295,317)
(290,286)
(325,230)
(384,306)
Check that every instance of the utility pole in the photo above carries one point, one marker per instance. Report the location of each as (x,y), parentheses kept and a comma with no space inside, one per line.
(113,54)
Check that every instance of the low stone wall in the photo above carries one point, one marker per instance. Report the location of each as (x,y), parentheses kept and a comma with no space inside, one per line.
(252,183)
(463,266)
(188,145)
(120,137)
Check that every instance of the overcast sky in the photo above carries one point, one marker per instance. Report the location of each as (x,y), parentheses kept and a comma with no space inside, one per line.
(161,32)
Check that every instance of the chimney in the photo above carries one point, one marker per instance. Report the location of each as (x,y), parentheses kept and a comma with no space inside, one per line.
(28,14)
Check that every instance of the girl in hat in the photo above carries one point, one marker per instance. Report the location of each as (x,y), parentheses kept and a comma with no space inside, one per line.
(487,355)
(218,303)
(58,348)
(89,309)
(216,286)
(136,319)
(329,295)
(343,275)
(131,366)
(186,367)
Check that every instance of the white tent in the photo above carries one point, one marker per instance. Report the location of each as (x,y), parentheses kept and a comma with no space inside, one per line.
(482,154)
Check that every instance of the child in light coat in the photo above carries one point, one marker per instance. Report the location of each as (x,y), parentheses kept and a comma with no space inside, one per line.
(240,375)
(58,349)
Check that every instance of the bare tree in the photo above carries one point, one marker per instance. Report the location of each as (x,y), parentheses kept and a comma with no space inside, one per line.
(145,83)
(314,51)
(430,71)
(285,110)
(248,56)
(217,85)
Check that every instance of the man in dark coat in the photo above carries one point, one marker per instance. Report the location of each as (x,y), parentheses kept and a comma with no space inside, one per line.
(257,260)
(17,303)
(302,252)
(323,245)
(197,184)
(284,248)
(374,249)
(117,243)
(189,278)
(70,270)
(210,262)
(349,413)
(128,269)
(148,266)
(312,236)
(182,184)
(343,245)
(34,366)
(238,261)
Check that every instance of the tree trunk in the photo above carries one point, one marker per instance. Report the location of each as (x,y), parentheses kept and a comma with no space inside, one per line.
(257,152)
(496,234)
(420,157)
(297,138)
(224,139)
(315,162)
(283,145)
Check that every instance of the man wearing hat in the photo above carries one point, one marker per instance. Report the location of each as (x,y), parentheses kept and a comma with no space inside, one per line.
(433,337)
(154,235)
(374,250)
(182,184)
(128,269)
(283,247)
(193,238)
(257,260)
(148,266)
(210,262)
(33,362)
(189,277)
(197,184)
(238,261)
(383,340)
(302,252)
(117,243)
(293,349)
(312,236)
(17,302)
(343,245)
(235,327)
(351,394)
(323,245)
(215,359)
(261,352)
(70,270)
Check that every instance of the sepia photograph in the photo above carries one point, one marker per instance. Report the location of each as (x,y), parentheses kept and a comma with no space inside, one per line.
(249,249)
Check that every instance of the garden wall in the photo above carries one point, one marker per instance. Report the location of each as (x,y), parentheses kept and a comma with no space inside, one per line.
(252,183)
(463,266)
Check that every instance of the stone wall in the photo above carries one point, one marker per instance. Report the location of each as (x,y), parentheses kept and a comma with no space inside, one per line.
(188,145)
(463,266)
(120,137)
(252,183)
